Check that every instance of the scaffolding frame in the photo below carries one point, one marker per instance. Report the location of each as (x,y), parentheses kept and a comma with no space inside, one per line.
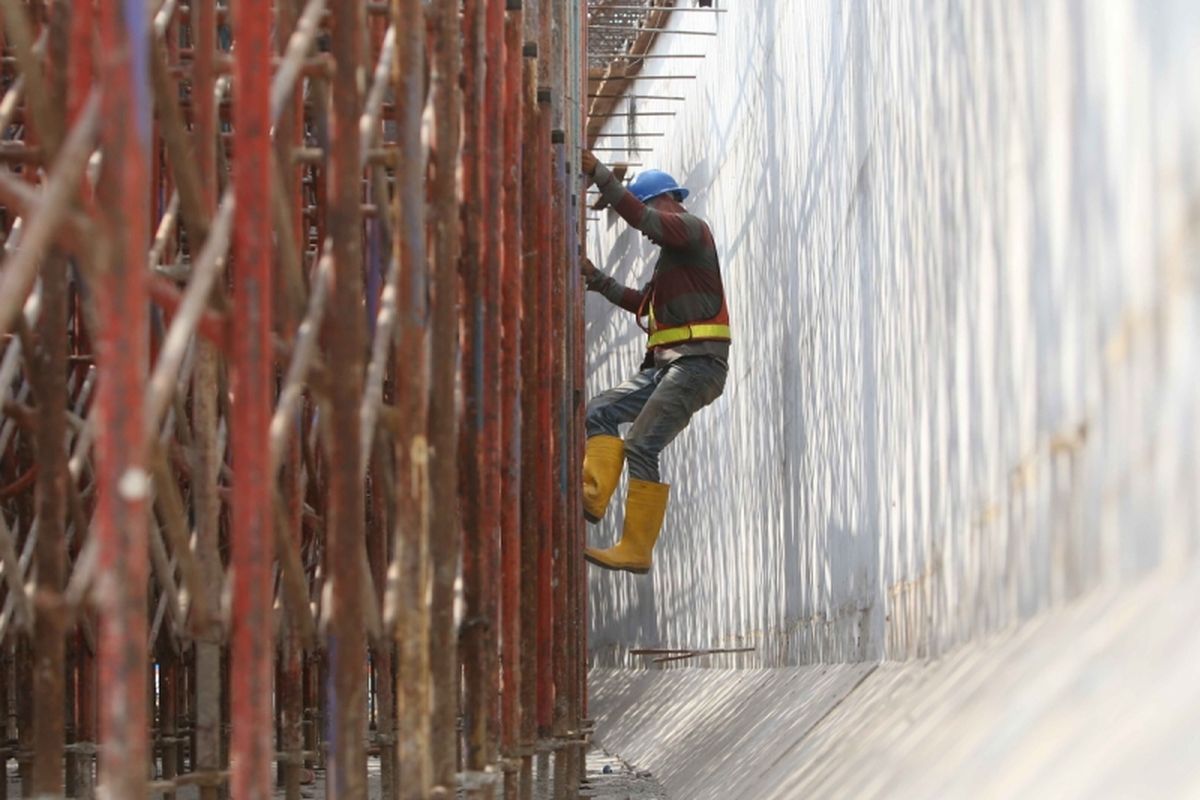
(273,379)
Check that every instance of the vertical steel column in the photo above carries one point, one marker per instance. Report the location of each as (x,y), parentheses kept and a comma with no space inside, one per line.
(122,480)
(253,388)
(412,525)
(346,337)
(443,433)
(511,422)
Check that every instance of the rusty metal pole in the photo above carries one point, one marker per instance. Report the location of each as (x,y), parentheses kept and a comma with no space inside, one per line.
(290,687)
(443,434)
(556,265)
(560,585)
(79,85)
(48,375)
(543,166)
(122,480)
(532,207)
(511,423)
(5,733)
(573,344)
(473,634)
(578,570)
(581,646)
(253,388)
(206,457)
(493,196)
(412,524)
(346,337)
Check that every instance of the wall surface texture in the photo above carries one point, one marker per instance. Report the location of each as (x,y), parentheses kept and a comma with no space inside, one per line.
(961,242)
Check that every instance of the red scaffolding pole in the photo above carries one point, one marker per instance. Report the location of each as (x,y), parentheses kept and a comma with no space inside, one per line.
(253,389)
(123,483)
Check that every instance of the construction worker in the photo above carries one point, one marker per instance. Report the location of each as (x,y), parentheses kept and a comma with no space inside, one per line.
(682,309)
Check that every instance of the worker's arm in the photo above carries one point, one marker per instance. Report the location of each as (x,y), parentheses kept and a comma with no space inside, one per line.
(616,293)
(664,228)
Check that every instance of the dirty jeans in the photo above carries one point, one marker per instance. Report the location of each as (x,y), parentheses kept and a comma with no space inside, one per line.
(659,402)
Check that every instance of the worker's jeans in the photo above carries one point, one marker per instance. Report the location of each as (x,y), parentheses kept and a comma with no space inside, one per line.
(659,402)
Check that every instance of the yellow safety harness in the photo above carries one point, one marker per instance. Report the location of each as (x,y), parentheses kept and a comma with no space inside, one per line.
(683,333)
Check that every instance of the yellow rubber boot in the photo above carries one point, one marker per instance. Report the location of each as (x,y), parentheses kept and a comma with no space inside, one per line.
(644,512)
(602,463)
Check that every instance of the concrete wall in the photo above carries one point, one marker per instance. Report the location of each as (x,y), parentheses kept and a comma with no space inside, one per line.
(961,250)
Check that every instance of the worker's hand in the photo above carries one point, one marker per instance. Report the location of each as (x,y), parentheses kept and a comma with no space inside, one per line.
(588,162)
(589,269)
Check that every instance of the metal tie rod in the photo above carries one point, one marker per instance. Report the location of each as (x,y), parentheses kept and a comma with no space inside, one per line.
(630,57)
(649,30)
(628,135)
(623,149)
(633,114)
(638,96)
(648,78)
(652,8)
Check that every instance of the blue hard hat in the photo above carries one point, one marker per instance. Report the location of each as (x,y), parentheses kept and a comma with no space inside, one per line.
(654,183)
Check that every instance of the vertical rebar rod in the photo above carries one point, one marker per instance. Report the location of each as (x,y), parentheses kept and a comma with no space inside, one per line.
(346,340)
(253,385)
(122,480)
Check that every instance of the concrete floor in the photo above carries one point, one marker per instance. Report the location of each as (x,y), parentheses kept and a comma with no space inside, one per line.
(1096,699)
(608,778)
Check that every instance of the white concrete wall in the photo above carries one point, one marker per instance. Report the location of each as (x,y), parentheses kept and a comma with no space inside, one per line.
(960,241)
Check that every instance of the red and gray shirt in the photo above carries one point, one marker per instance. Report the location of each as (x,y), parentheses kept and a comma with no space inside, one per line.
(686,286)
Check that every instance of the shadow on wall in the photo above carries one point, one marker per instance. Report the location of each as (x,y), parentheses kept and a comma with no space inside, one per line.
(957,249)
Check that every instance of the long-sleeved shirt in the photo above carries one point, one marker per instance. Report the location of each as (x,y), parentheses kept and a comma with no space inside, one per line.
(686,286)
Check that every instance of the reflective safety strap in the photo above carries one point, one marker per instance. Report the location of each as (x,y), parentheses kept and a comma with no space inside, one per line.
(685,333)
